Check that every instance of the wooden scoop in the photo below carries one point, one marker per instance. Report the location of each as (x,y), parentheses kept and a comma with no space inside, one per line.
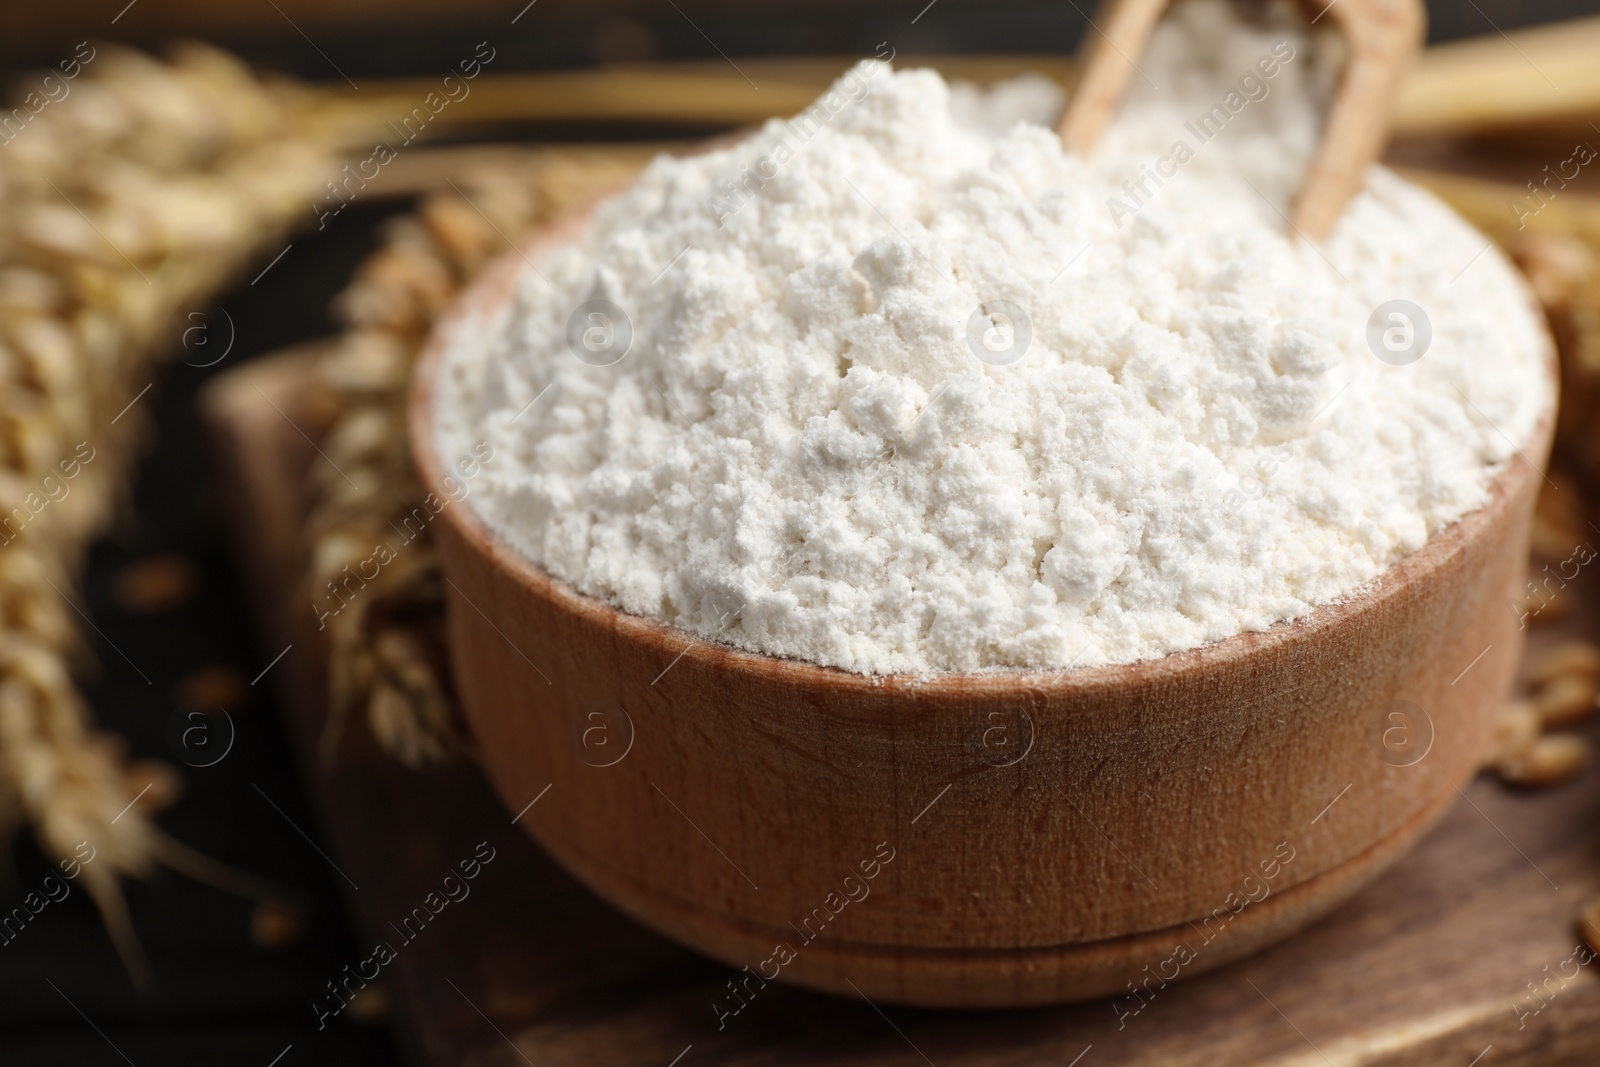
(1384,36)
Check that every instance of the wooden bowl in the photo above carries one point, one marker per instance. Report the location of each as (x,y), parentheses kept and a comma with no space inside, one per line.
(978,839)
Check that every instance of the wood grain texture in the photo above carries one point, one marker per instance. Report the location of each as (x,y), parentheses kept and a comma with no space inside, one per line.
(1383,40)
(1426,968)
(1134,805)
(1108,58)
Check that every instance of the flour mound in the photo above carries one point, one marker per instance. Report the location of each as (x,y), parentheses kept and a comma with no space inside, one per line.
(900,386)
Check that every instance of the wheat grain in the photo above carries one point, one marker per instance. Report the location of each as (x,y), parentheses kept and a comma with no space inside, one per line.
(1564,701)
(1548,761)
(1574,657)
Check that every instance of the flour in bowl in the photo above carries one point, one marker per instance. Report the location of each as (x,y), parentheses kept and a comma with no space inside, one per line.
(899,386)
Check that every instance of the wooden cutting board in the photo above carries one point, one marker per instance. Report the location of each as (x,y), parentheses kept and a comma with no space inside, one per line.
(1464,955)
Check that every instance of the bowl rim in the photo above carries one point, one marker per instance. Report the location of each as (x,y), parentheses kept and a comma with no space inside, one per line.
(496,283)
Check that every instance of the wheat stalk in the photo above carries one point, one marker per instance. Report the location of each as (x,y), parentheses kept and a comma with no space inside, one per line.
(384,641)
(132,199)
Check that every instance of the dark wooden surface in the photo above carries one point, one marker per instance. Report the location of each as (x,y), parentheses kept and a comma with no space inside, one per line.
(1429,966)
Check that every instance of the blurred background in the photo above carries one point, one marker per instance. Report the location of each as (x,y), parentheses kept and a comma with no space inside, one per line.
(164,589)
(414,36)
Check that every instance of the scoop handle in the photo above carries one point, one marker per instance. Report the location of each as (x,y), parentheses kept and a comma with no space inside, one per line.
(1107,60)
(1384,38)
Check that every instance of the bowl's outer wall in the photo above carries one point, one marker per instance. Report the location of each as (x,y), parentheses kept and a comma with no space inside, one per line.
(1037,823)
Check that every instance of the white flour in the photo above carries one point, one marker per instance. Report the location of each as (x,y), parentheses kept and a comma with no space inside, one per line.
(801,454)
